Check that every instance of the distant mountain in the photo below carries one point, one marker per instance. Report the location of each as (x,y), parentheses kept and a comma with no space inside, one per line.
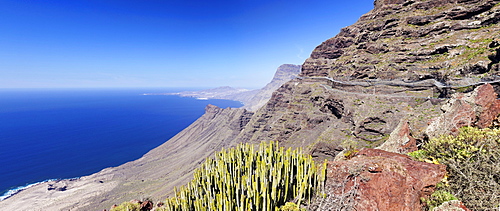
(252,99)
(284,74)
(215,93)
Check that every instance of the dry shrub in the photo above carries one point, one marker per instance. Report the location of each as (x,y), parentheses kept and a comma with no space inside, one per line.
(472,159)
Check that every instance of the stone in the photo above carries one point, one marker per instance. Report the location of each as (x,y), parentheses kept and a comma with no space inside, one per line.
(146,205)
(489,106)
(453,205)
(479,108)
(400,140)
(375,179)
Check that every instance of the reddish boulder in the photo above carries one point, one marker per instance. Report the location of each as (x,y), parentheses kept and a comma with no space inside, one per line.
(400,140)
(147,205)
(489,105)
(375,179)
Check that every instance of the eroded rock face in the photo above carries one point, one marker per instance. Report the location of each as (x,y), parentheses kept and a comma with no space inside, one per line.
(284,73)
(479,108)
(400,140)
(378,180)
(414,40)
(402,60)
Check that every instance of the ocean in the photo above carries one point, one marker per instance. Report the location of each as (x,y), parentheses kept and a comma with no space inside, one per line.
(57,134)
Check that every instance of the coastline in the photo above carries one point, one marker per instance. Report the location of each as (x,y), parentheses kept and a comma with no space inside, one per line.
(133,179)
(16,190)
(19,189)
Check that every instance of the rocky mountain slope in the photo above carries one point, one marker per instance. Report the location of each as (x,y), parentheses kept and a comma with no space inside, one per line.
(400,75)
(388,67)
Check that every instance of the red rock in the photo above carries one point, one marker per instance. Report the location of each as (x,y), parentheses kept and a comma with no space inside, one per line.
(479,108)
(400,140)
(147,205)
(379,180)
(489,105)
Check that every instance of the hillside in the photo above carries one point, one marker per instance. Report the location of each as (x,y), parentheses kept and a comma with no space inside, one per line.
(357,86)
(406,72)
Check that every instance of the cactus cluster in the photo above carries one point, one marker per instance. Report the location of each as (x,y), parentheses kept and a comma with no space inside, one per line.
(246,178)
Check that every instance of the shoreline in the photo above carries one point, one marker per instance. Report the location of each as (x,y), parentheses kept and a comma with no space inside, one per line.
(18,189)
(14,191)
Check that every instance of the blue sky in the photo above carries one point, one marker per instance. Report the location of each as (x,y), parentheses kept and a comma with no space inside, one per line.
(153,43)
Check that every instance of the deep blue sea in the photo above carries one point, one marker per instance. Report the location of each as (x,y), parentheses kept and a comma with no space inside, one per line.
(56,134)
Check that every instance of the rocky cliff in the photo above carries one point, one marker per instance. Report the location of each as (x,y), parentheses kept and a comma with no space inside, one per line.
(399,62)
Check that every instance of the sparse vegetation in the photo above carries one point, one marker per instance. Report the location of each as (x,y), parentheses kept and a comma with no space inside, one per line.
(127,206)
(437,198)
(472,159)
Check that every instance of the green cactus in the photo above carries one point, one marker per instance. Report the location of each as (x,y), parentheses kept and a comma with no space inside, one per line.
(249,178)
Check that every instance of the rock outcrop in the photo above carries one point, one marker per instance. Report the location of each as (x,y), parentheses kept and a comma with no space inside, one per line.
(479,108)
(453,42)
(400,140)
(402,60)
(378,180)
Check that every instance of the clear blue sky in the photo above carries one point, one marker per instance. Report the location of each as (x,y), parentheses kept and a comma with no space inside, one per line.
(169,43)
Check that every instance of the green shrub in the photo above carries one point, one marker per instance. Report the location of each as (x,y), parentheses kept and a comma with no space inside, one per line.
(472,159)
(245,178)
(290,206)
(438,197)
(127,206)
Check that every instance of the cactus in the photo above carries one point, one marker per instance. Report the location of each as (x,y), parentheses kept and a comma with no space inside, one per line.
(249,178)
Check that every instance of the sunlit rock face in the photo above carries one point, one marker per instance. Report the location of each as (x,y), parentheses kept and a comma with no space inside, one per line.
(378,180)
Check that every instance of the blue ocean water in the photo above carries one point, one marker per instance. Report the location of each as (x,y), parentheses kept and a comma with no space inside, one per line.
(56,134)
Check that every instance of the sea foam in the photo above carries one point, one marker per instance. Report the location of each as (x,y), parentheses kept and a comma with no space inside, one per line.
(12,192)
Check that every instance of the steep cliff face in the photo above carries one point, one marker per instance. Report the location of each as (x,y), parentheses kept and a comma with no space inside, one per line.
(399,63)
(454,42)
